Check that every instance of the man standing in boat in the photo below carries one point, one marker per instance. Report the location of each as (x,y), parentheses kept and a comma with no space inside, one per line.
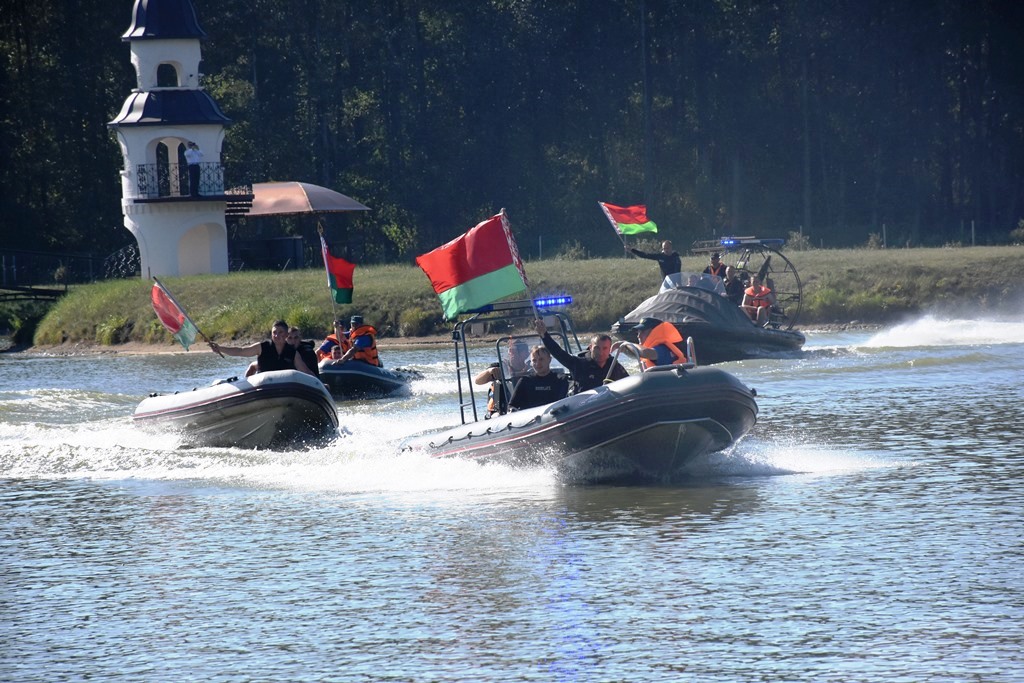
(276,354)
(668,260)
(589,370)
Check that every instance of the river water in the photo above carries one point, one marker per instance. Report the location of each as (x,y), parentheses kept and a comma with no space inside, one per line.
(870,528)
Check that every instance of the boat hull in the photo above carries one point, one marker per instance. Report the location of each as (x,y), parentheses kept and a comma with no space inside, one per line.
(279,409)
(721,332)
(721,345)
(354,379)
(644,428)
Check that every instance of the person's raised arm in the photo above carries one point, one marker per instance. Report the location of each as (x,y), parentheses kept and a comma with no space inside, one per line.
(237,351)
(561,355)
(490,374)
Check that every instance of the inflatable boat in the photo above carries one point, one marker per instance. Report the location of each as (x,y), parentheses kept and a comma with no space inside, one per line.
(644,428)
(355,379)
(280,409)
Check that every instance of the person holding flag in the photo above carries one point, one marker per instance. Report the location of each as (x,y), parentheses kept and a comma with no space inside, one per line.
(668,259)
(275,354)
(590,370)
(173,317)
(335,344)
(633,220)
(628,220)
(362,340)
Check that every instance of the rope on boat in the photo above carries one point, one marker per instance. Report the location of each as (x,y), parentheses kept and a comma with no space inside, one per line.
(489,431)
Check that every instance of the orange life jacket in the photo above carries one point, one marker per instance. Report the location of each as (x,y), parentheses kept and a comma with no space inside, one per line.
(667,335)
(344,344)
(760,300)
(369,354)
(717,272)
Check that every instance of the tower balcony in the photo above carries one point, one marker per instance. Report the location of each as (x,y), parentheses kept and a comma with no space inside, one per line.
(170,183)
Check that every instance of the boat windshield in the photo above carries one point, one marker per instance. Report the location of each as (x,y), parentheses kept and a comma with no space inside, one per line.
(712,283)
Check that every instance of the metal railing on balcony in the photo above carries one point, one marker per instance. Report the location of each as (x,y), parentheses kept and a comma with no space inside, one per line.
(164,181)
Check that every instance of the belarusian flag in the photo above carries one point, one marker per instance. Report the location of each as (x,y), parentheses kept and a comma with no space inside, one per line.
(339,275)
(628,220)
(172,317)
(476,268)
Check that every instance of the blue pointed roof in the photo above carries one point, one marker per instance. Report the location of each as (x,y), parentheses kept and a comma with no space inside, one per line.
(169,107)
(163,19)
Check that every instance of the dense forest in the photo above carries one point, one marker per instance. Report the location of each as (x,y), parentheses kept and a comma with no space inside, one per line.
(831,118)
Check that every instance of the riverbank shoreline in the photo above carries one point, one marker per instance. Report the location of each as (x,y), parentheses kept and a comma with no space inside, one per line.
(384,343)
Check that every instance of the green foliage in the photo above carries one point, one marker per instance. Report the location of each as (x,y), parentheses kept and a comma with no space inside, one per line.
(415,322)
(113,330)
(18,320)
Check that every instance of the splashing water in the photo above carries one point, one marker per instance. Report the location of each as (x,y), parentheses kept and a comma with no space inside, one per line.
(933,331)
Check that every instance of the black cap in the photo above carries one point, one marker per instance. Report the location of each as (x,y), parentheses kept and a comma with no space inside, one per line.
(716,255)
(647,324)
(356,321)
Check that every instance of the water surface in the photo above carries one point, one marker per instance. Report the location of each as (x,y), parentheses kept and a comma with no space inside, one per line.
(868,529)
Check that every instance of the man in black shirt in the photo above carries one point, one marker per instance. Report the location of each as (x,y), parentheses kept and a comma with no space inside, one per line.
(733,286)
(542,387)
(668,260)
(590,370)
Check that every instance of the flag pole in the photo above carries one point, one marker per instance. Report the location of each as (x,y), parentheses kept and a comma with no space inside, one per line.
(187,316)
(323,242)
(507,224)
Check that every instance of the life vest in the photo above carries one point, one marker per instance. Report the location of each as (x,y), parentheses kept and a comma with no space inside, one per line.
(344,344)
(368,354)
(497,401)
(269,359)
(666,335)
(760,300)
(717,272)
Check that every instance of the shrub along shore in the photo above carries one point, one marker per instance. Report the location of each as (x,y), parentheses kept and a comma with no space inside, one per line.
(840,287)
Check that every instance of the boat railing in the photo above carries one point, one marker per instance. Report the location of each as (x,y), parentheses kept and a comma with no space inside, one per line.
(506,314)
(633,350)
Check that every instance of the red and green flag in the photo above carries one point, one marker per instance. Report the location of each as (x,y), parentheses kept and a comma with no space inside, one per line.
(339,275)
(628,220)
(477,268)
(172,316)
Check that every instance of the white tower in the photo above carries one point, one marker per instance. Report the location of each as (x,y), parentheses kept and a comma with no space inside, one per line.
(178,233)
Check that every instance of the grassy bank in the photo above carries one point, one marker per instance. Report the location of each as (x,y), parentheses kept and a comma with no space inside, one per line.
(840,286)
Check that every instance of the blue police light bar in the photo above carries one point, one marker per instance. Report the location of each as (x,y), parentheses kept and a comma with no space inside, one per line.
(549,301)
